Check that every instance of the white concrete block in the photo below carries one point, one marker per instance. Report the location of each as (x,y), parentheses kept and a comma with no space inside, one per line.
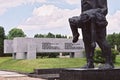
(8,46)
(31,52)
(20,44)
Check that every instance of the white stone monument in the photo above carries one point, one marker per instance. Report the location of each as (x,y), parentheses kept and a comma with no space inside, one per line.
(26,48)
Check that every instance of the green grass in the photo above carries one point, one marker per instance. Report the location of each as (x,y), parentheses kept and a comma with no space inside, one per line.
(117,64)
(7,63)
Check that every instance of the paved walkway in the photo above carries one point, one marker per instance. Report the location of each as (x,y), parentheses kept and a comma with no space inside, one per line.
(5,75)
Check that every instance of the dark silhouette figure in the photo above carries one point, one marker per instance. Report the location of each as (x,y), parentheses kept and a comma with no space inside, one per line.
(93,23)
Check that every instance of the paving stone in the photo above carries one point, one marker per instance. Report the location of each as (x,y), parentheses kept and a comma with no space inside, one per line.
(5,75)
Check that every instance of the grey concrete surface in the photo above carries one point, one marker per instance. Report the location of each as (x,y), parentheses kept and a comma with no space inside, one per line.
(6,75)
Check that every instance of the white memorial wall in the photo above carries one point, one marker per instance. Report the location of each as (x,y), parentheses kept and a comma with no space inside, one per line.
(26,48)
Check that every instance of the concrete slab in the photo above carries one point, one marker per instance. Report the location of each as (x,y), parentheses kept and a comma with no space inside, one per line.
(11,74)
(5,75)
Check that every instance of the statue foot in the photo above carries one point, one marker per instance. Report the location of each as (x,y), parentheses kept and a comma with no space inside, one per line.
(88,65)
(75,38)
(106,66)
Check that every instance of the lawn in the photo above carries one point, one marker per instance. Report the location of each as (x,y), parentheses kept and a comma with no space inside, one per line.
(7,63)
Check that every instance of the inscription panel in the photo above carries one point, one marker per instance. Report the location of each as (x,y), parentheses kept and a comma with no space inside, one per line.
(59,45)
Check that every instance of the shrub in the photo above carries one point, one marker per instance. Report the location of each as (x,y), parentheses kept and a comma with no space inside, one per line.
(53,55)
(47,55)
(99,58)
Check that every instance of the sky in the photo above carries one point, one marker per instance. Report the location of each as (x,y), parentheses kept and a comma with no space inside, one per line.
(44,16)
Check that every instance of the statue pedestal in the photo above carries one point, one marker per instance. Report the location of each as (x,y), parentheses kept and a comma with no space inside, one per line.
(90,74)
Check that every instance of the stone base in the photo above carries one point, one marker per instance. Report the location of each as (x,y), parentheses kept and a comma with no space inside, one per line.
(90,74)
(47,74)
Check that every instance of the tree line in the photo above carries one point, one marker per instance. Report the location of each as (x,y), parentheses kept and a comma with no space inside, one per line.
(16,32)
(49,35)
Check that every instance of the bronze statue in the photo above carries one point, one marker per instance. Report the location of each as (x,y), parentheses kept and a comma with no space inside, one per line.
(93,23)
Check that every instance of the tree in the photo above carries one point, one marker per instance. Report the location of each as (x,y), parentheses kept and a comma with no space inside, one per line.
(50,35)
(39,36)
(111,39)
(118,42)
(15,32)
(114,39)
(64,36)
(2,36)
(58,36)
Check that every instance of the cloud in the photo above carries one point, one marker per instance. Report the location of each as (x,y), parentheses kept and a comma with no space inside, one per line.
(73,1)
(114,22)
(6,4)
(49,17)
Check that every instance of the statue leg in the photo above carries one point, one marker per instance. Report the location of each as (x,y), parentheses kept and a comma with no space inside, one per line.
(89,55)
(106,49)
(89,50)
(74,30)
